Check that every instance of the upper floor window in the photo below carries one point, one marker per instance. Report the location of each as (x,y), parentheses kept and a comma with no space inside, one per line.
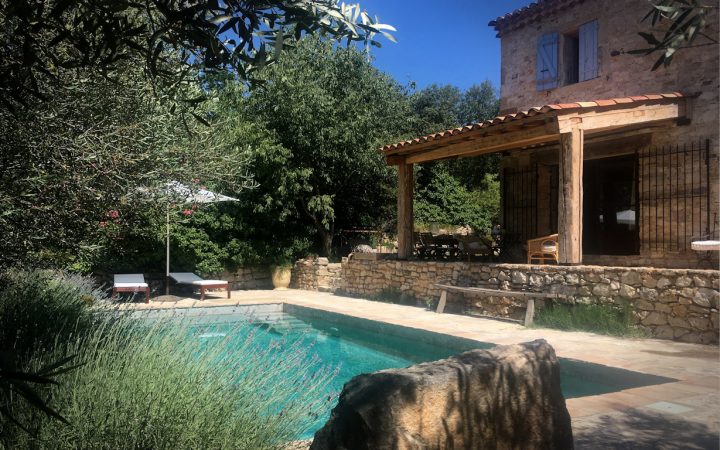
(567,58)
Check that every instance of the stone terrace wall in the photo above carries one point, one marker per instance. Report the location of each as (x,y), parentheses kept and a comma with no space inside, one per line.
(670,303)
(249,278)
(316,274)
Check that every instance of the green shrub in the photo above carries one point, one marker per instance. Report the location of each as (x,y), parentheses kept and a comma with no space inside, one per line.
(596,318)
(446,201)
(40,308)
(154,387)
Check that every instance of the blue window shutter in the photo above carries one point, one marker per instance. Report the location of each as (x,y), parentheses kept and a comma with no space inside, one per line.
(547,62)
(588,50)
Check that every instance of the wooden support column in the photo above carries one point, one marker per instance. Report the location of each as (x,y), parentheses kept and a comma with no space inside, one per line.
(570,193)
(405,211)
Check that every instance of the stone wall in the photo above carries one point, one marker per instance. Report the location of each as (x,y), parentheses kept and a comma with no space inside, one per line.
(249,278)
(669,303)
(693,70)
(316,274)
(621,75)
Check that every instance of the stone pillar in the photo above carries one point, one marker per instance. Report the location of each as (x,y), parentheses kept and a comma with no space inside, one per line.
(570,201)
(405,211)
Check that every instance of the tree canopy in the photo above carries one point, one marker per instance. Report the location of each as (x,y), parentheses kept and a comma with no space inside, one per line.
(331,109)
(72,167)
(44,38)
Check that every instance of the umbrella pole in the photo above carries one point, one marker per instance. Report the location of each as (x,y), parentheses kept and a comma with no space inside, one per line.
(167,252)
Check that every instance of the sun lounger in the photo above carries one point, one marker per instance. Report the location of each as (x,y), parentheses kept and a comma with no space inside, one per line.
(194,280)
(131,282)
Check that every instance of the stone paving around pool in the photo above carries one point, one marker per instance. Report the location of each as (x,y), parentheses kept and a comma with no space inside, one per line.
(684,414)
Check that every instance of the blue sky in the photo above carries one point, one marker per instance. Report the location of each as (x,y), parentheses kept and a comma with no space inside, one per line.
(443,42)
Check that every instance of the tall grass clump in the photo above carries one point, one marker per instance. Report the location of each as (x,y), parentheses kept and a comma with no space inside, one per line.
(169,385)
(614,320)
(40,308)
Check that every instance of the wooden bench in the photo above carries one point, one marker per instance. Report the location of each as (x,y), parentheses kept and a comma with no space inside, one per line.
(527,295)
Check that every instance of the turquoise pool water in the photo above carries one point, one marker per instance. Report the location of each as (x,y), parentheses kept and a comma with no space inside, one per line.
(354,346)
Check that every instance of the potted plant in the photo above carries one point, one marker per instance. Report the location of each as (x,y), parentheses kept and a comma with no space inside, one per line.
(281,272)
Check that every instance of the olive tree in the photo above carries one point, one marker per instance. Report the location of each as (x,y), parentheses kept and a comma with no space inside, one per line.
(42,39)
(676,24)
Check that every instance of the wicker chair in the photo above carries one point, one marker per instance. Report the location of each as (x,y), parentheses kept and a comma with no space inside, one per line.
(543,250)
(473,246)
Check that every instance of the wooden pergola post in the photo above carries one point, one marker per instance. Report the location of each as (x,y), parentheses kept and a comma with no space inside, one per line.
(405,210)
(570,201)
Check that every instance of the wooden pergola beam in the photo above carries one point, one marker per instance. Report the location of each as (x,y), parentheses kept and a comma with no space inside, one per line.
(594,121)
(490,143)
(473,135)
(405,211)
(570,197)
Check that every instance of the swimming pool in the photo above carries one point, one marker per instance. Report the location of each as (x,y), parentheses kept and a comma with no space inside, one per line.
(353,345)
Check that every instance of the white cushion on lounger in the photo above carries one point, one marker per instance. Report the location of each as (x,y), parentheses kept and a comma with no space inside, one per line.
(206,282)
(191,278)
(130,280)
(122,285)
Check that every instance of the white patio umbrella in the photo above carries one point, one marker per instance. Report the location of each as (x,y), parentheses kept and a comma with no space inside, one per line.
(180,193)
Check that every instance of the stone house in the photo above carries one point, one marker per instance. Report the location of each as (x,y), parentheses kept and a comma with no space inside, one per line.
(618,160)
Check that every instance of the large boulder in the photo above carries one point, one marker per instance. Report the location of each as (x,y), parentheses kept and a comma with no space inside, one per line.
(508,397)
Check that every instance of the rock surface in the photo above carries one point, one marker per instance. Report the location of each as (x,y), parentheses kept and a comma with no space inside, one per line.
(506,397)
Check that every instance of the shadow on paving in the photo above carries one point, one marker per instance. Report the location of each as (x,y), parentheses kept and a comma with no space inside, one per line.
(636,429)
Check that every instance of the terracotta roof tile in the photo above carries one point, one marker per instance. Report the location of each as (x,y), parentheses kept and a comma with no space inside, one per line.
(568,105)
(605,102)
(530,113)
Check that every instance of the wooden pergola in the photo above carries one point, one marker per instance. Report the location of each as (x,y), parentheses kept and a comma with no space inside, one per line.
(569,126)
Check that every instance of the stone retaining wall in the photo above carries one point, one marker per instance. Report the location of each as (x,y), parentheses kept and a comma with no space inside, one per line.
(670,303)
(249,278)
(316,274)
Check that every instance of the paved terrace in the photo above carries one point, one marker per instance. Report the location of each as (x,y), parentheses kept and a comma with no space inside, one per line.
(684,414)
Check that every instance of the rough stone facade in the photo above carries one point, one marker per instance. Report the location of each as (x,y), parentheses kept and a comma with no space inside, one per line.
(316,274)
(249,278)
(666,223)
(693,70)
(680,304)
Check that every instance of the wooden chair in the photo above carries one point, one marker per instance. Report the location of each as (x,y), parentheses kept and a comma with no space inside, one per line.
(543,250)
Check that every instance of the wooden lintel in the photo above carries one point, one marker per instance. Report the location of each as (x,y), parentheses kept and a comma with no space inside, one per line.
(395,160)
(596,136)
(617,117)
